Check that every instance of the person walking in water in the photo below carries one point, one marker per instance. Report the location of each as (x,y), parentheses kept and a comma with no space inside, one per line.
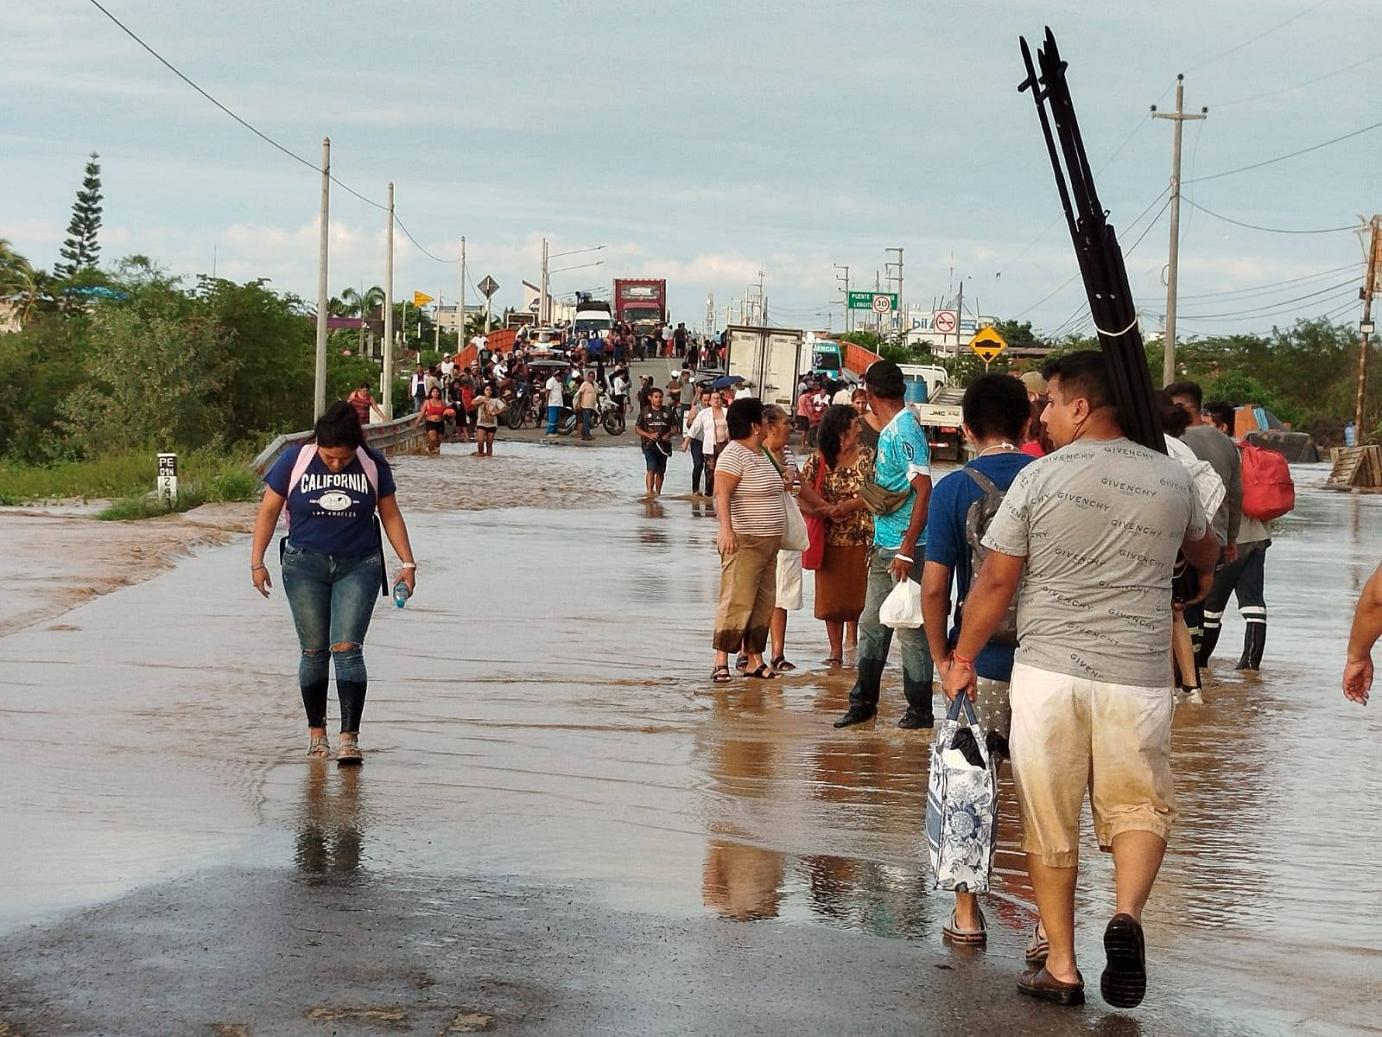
(902,470)
(654,427)
(488,407)
(1090,533)
(332,563)
(996,412)
(365,404)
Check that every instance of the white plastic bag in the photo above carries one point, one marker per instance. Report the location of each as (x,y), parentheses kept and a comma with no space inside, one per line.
(901,609)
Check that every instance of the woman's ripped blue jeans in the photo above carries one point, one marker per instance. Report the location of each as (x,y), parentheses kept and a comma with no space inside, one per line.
(332,599)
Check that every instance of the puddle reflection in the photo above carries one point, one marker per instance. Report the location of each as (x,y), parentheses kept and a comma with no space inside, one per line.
(330,837)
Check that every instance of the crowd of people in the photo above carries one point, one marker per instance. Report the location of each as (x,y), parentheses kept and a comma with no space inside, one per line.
(1071,584)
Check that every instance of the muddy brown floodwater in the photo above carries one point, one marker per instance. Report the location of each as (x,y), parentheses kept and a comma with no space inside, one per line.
(563,827)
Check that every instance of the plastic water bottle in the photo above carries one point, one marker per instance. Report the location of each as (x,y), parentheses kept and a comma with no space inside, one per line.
(401,594)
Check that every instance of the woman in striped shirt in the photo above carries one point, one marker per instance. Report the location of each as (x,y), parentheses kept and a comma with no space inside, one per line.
(749,504)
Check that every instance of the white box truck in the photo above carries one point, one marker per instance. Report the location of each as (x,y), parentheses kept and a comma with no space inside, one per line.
(768,360)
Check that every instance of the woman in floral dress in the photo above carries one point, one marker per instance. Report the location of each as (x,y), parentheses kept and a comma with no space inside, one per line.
(837,471)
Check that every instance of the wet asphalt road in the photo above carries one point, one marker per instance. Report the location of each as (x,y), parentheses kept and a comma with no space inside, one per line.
(563,828)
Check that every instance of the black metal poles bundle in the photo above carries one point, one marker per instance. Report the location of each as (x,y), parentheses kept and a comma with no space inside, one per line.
(1096,246)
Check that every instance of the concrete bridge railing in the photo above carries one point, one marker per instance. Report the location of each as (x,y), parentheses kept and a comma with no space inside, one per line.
(400,436)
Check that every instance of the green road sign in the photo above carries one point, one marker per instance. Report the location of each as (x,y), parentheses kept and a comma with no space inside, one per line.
(878,302)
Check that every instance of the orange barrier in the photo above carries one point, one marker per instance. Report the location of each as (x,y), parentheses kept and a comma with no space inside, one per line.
(857,358)
(500,341)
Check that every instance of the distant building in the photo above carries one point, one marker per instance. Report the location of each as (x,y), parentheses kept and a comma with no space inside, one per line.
(561,312)
(446,315)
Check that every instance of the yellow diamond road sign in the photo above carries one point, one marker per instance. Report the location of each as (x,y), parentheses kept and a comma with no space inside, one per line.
(987,344)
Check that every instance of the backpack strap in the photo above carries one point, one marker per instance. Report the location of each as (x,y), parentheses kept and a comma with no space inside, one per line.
(983,481)
(306,453)
(371,470)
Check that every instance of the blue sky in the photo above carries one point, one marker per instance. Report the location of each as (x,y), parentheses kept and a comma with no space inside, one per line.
(700,141)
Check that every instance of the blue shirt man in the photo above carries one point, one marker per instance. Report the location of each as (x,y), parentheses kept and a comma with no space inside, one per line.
(903,467)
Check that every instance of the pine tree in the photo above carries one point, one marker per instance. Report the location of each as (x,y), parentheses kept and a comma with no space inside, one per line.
(81,249)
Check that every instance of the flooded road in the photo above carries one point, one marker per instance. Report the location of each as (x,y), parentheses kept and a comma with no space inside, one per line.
(541,732)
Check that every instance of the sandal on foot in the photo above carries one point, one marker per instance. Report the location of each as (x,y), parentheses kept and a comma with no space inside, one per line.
(721,675)
(319,748)
(966,937)
(348,755)
(781,665)
(763,673)
(1124,982)
(1038,948)
(741,662)
(834,661)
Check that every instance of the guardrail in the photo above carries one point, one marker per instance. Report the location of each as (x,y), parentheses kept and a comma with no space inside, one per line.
(401,436)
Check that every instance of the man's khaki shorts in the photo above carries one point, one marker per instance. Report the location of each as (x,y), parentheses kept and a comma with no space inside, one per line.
(1071,733)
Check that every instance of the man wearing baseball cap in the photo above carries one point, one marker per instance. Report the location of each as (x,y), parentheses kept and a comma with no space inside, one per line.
(902,473)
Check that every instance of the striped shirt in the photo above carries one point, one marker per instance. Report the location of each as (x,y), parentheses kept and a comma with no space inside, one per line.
(755,506)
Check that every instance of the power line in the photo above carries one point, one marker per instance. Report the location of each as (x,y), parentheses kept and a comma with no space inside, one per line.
(247,125)
(1269,230)
(1299,86)
(1255,289)
(409,235)
(1281,158)
(1349,286)
(1261,35)
(1061,287)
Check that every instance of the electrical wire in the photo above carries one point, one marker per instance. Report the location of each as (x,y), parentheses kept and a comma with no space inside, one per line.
(1255,289)
(1261,35)
(1299,86)
(1347,286)
(1281,158)
(243,122)
(409,235)
(1269,230)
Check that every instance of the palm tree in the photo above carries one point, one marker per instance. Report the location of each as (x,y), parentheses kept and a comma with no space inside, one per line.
(19,280)
(362,305)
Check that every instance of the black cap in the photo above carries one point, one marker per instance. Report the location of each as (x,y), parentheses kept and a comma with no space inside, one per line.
(884,378)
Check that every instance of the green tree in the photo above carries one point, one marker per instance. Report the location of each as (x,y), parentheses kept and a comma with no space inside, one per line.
(81,250)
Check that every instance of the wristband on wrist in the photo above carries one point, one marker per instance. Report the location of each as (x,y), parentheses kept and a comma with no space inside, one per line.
(410,565)
(256,568)
(956,657)
(905,558)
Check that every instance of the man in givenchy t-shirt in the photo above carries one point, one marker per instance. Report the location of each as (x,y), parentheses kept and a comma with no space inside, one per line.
(1091,532)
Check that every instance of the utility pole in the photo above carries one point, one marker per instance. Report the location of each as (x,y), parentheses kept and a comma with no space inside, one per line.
(1178,118)
(460,307)
(386,376)
(959,316)
(436,325)
(895,279)
(877,317)
(324,237)
(1365,325)
(543,308)
(848,324)
(710,314)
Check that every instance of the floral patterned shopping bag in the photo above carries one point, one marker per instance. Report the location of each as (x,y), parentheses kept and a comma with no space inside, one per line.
(961,802)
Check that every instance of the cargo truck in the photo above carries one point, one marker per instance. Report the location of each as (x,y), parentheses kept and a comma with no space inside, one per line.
(768,359)
(641,302)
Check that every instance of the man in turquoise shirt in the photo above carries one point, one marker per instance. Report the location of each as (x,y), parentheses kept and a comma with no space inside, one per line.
(903,466)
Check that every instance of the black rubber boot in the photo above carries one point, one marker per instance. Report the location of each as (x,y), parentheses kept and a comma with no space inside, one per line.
(1254,643)
(1208,642)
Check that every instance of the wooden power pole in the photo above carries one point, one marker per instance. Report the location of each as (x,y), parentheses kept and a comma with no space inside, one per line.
(1374,257)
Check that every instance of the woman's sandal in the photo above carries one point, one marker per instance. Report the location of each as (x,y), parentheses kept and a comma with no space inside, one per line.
(348,755)
(1038,948)
(834,661)
(721,675)
(763,673)
(781,665)
(319,748)
(966,937)
(741,662)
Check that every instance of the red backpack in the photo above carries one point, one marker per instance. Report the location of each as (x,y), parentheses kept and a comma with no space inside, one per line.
(1268,491)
